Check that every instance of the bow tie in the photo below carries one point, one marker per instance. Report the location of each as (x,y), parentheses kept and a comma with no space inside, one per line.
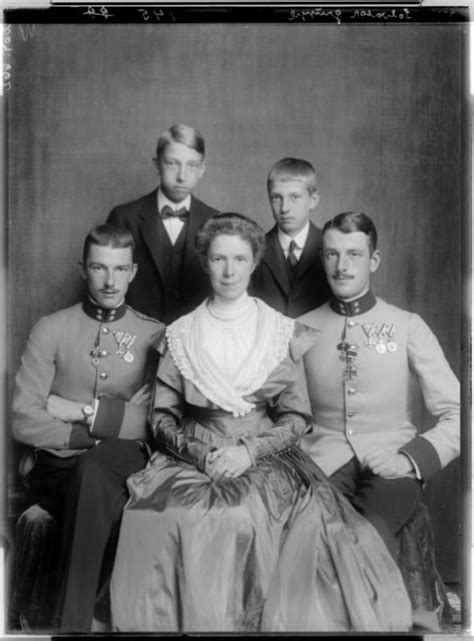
(167,212)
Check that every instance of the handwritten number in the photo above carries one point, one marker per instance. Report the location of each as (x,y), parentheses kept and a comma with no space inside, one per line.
(103,12)
(157,13)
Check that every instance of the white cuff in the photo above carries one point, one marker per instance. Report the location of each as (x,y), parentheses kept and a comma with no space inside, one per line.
(415,466)
(91,419)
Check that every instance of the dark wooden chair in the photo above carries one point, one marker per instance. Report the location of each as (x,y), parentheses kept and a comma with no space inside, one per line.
(34,572)
(416,559)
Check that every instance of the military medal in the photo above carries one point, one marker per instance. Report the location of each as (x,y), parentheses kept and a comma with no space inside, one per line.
(381,346)
(391,345)
(124,342)
(369,331)
(95,355)
(348,353)
(385,341)
(341,347)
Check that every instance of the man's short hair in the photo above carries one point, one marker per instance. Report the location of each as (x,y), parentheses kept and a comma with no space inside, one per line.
(350,221)
(183,134)
(108,235)
(230,224)
(293,169)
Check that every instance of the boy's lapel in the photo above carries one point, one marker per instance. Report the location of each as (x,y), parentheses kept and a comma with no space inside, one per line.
(310,253)
(197,216)
(152,230)
(275,259)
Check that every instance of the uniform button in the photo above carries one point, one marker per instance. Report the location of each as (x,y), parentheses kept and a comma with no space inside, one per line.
(105,330)
(103,375)
(351,413)
(351,323)
(350,432)
(351,391)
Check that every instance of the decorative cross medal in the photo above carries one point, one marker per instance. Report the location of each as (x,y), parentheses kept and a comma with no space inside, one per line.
(348,353)
(95,355)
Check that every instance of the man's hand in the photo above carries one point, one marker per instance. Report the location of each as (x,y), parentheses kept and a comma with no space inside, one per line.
(228,462)
(142,396)
(67,411)
(388,465)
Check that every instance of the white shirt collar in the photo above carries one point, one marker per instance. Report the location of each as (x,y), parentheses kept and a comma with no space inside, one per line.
(300,238)
(163,200)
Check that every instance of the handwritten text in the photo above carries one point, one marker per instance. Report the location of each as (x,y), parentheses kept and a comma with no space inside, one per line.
(102,12)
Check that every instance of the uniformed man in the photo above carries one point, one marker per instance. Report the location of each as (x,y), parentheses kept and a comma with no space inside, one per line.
(81,404)
(358,377)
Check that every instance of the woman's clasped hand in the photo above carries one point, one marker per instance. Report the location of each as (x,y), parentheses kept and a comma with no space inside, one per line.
(227,462)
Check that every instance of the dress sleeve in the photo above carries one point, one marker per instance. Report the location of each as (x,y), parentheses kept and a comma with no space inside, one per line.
(168,410)
(31,423)
(434,449)
(290,409)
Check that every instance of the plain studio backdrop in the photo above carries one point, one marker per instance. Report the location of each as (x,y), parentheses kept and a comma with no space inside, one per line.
(379,109)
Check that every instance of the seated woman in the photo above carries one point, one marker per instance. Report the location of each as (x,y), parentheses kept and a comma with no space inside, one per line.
(229,493)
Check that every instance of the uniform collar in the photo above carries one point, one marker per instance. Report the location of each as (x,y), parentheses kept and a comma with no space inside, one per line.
(101,314)
(353,307)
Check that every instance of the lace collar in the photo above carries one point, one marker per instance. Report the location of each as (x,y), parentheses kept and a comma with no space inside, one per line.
(187,338)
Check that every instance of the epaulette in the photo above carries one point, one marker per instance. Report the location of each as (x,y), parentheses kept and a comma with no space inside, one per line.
(303,339)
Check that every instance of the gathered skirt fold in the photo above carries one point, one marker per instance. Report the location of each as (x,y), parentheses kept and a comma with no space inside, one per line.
(276,550)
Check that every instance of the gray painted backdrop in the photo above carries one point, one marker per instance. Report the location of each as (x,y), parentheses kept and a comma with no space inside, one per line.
(377,108)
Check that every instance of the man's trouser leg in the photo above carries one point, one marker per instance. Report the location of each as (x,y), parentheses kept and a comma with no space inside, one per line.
(48,481)
(386,503)
(93,508)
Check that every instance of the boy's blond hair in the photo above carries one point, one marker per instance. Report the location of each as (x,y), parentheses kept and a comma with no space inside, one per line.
(293,169)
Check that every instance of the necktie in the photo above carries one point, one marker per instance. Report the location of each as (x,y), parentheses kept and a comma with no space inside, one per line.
(167,212)
(291,258)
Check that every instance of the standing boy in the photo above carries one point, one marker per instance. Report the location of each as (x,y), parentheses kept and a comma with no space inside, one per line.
(290,277)
(170,281)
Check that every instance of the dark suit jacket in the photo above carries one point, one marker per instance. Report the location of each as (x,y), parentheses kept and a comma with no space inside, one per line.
(146,293)
(271,280)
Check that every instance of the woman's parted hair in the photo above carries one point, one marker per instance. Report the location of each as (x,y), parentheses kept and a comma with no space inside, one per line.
(230,224)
